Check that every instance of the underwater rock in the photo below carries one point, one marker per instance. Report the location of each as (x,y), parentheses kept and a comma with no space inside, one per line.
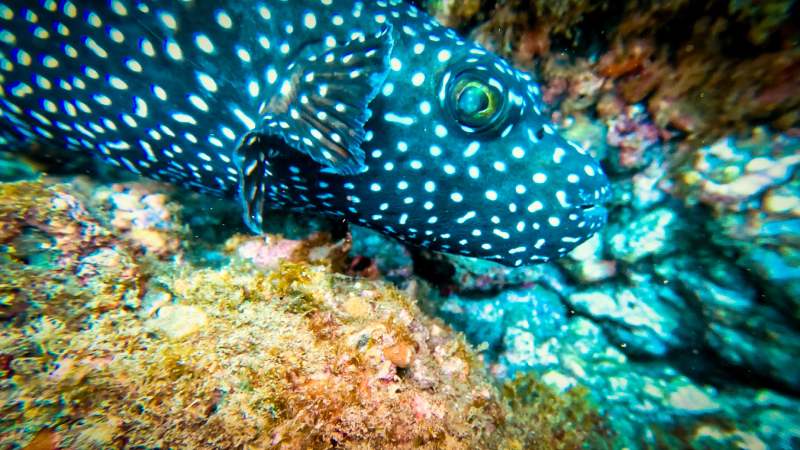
(691,399)
(649,404)
(13,168)
(268,252)
(645,319)
(646,190)
(221,340)
(587,132)
(503,324)
(143,213)
(761,341)
(178,321)
(652,234)
(52,248)
(472,276)
(453,13)
(730,173)
(572,84)
(102,348)
(633,134)
(748,183)
(586,262)
(755,337)
(730,64)
(391,260)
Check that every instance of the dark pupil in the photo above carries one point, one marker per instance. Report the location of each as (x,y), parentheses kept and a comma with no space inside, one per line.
(473,100)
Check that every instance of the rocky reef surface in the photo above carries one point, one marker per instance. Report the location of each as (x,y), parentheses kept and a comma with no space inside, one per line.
(681,317)
(119,330)
(135,314)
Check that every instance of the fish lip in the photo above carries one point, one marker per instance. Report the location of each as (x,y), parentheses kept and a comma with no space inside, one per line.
(594,211)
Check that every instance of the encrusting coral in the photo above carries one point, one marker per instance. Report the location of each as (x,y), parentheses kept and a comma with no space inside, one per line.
(106,344)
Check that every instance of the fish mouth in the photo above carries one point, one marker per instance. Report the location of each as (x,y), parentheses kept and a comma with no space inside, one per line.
(594,211)
(591,203)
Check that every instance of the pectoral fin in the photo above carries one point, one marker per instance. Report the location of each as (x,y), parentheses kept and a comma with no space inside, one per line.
(251,159)
(323,104)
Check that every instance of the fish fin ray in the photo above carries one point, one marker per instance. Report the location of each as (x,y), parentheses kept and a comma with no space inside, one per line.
(252,164)
(323,105)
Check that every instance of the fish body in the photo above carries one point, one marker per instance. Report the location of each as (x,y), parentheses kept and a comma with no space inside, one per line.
(371,112)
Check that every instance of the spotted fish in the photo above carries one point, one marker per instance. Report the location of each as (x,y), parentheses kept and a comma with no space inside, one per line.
(370,112)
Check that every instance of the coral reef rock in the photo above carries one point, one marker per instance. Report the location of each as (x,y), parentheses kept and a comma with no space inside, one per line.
(110,341)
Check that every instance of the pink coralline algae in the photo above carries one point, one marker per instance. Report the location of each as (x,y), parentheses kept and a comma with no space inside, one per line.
(269,251)
(633,134)
(266,252)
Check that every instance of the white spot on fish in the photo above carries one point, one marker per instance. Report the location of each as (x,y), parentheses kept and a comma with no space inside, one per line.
(223,19)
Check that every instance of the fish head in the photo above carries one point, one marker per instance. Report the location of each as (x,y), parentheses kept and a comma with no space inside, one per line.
(516,192)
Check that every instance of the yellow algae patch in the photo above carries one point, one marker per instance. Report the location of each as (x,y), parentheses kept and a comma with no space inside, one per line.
(238,356)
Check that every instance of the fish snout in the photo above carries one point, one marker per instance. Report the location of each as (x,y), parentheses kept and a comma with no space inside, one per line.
(593,195)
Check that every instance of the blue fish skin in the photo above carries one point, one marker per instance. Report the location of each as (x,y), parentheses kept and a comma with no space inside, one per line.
(370,112)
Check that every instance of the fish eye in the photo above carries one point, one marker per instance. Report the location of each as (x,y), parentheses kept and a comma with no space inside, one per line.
(476,103)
